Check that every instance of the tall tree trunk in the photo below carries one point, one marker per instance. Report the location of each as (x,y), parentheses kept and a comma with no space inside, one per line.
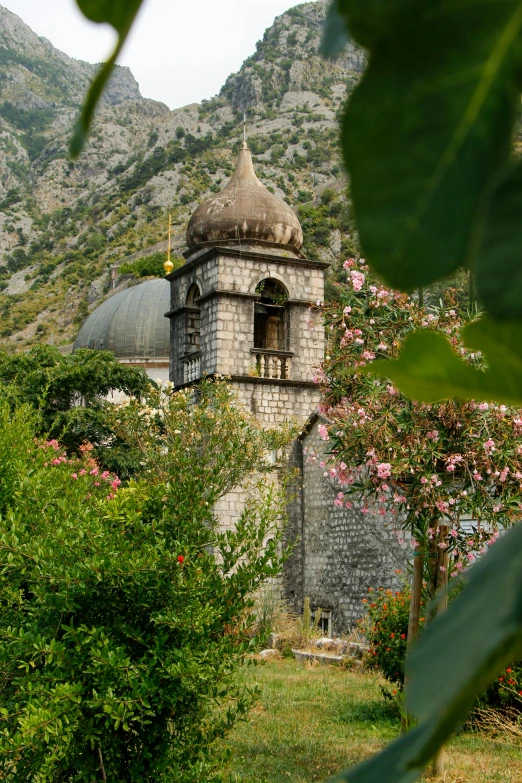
(442,588)
(414,615)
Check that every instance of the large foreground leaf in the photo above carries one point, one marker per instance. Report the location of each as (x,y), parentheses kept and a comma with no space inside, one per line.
(428,129)
(499,262)
(459,654)
(120,14)
(428,369)
(335,32)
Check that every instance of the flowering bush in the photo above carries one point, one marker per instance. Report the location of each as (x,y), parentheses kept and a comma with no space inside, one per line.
(386,628)
(419,464)
(125,609)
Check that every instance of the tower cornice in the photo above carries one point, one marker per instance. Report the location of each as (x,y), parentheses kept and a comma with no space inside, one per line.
(212,252)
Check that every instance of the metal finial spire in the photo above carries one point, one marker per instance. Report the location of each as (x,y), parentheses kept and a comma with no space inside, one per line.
(168,265)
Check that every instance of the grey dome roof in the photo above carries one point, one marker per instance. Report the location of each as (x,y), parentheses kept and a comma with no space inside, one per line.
(244,210)
(131,324)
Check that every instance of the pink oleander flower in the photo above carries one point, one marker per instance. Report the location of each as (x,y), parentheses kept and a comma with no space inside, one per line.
(359,341)
(424,480)
(338,503)
(483,406)
(357,279)
(384,470)
(368,355)
(477,476)
(322,429)
(382,347)
(83,472)
(489,446)
(349,263)
(433,435)
(503,475)
(74,476)
(94,472)
(347,310)
(453,533)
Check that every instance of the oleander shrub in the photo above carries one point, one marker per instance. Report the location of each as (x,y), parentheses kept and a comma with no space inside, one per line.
(126,610)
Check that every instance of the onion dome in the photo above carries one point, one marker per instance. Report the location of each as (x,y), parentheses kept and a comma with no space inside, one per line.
(131,324)
(244,210)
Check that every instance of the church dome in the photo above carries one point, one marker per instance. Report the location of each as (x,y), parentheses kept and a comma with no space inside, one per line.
(131,324)
(244,210)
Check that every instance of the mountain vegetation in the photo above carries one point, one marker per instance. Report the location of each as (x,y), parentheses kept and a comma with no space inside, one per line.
(64,224)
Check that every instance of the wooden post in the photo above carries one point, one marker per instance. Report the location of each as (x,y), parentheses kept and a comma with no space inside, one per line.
(416,595)
(414,615)
(442,588)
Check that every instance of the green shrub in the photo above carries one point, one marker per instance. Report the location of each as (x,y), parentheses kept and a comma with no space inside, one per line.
(125,610)
(149,266)
(386,629)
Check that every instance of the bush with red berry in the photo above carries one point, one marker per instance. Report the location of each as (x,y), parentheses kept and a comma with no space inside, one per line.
(386,628)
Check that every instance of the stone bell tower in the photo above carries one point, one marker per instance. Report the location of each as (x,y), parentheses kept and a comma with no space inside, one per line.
(240,305)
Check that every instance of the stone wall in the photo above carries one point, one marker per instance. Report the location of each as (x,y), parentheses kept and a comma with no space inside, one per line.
(227,281)
(339,552)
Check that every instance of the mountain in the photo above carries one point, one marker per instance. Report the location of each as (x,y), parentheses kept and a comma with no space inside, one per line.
(63,224)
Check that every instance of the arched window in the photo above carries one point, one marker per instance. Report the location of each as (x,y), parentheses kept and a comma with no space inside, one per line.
(270,315)
(192,324)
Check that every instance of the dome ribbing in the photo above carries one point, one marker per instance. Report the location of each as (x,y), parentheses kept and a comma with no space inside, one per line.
(244,210)
(131,324)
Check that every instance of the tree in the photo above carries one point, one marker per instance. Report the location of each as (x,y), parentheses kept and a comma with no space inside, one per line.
(126,611)
(70,395)
(425,465)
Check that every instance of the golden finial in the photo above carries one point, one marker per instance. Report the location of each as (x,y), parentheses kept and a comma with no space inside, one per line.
(168,266)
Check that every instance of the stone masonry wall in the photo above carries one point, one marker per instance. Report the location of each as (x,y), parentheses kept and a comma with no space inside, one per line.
(227,286)
(340,552)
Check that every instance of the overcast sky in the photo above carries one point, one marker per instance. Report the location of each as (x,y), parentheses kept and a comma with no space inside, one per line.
(180,51)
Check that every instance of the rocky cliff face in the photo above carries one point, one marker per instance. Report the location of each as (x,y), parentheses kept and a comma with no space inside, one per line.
(62,224)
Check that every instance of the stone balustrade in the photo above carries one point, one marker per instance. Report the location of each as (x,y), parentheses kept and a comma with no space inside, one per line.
(273,364)
(191,368)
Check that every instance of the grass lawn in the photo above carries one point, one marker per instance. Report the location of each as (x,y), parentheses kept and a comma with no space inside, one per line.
(311,722)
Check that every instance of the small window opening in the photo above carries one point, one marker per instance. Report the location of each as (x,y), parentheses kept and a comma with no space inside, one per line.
(325,624)
(192,325)
(270,316)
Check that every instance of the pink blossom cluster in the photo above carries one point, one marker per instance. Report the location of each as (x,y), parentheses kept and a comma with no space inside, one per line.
(357,279)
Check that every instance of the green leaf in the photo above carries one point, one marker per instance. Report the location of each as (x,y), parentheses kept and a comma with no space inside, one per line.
(484,626)
(120,14)
(335,33)
(428,369)
(498,266)
(429,127)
